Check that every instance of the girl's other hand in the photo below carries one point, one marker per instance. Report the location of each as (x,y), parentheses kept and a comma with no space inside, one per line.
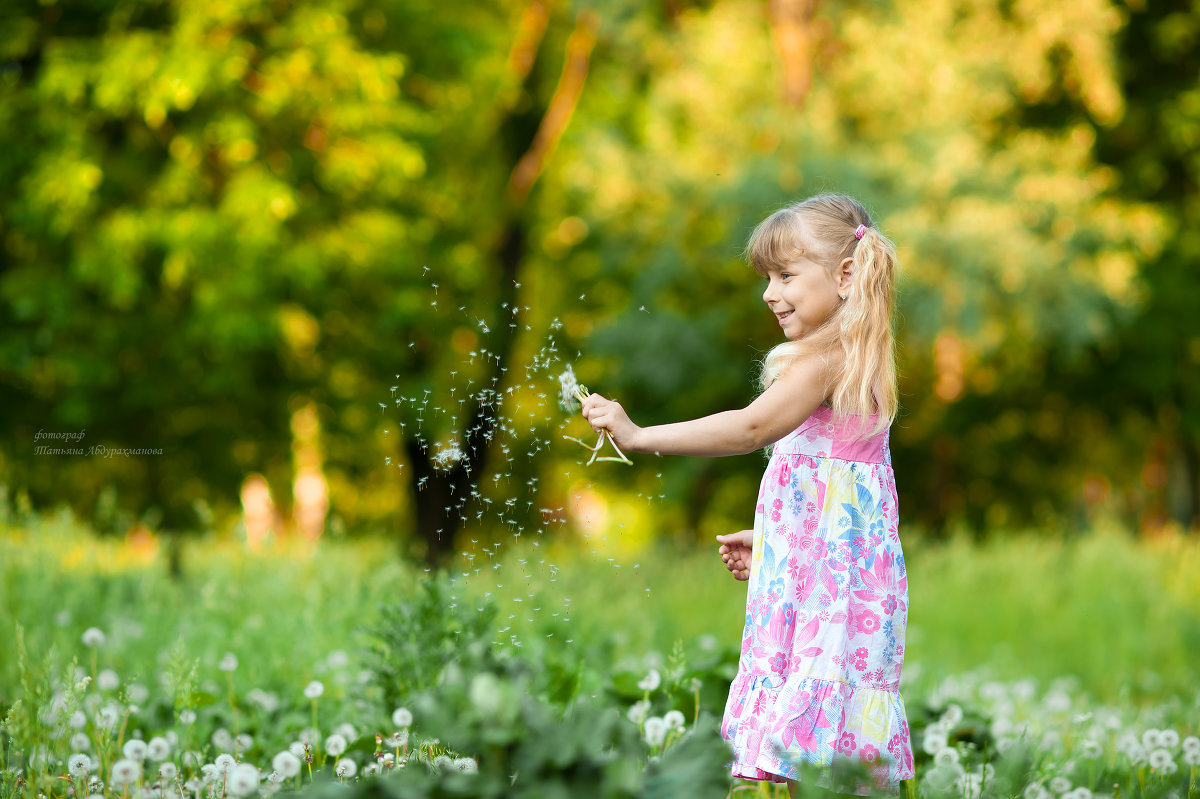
(736,551)
(604,414)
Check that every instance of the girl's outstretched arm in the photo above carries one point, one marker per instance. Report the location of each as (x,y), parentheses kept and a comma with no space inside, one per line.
(779,410)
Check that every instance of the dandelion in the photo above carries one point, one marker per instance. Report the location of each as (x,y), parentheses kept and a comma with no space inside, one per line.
(168,771)
(287,764)
(953,714)
(1191,744)
(335,744)
(651,681)
(946,757)
(674,720)
(78,765)
(637,713)
(126,772)
(297,749)
(347,731)
(80,741)
(401,717)
(1168,739)
(225,763)
(466,765)
(654,731)
(1159,758)
(135,749)
(107,680)
(228,663)
(314,689)
(158,749)
(1060,785)
(187,717)
(222,739)
(442,762)
(1191,757)
(243,780)
(933,742)
(397,740)
(1152,739)
(93,637)
(1090,749)
(444,459)
(571,392)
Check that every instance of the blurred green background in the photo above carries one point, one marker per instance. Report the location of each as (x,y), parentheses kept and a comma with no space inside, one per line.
(316,266)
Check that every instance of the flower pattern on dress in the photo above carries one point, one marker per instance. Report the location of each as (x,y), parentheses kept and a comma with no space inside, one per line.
(826,612)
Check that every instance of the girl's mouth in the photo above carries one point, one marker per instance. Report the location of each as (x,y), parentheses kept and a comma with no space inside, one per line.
(784,317)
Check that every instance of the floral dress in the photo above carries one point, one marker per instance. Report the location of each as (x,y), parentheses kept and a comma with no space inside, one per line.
(826,610)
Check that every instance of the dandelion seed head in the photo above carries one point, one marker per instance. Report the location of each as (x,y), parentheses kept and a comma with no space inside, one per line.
(93,637)
(78,765)
(314,689)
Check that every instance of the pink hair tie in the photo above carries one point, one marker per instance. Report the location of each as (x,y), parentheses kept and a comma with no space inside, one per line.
(858,234)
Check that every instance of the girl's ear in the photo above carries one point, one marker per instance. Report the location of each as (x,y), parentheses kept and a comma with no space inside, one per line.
(845,274)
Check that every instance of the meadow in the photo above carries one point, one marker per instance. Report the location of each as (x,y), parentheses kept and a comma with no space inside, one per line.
(1037,665)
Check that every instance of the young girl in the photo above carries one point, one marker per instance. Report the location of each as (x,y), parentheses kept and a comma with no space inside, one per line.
(827,601)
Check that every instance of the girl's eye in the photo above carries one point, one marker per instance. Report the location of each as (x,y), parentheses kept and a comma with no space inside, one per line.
(785,275)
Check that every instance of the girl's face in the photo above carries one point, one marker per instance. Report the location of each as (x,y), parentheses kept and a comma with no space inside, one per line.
(802,294)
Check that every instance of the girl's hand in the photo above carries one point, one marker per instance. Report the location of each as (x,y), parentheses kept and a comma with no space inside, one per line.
(736,550)
(608,415)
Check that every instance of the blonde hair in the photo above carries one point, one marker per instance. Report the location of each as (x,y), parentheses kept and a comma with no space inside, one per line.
(864,382)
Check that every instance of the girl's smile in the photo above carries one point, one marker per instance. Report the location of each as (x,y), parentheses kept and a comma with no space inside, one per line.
(802,295)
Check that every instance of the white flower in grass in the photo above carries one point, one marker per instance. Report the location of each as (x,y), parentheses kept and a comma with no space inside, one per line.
(946,757)
(655,731)
(126,772)
(442,762)
(1191,757)
(337,659)
(1152,739)
(297,749)
(1080,793)
(158,748)
(136,749)
(1036,791)
(401,717)
(287,764)
(210,772)
(187,717)
(388,759)
(168,771)
(637,712)
(95,784)
(78,765)
(243,780)
(193,785)
(1168,739)
(222,739)
(93,637)
(466,765)
(346,767)
(933,742)
(78,720)
(1060,785)
(310,736)
(1191,744)
(953,714)
(224,763)
(314,689)
(335,744)
(107,680)
(243,742)
(1159,758)
(80,741)
(1090,749)
(228,663)
(138,693)
(370,769)
(651,681)
(1170,768)
(347,731)
(397,740)
(674,720)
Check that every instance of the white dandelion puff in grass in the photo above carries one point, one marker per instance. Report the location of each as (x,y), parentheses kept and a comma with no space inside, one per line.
(402,717)
(1191,744)
(1191,757)
(93,637)
(346,767)
(1159,758)
(287,764)
(347,731)
(637,712)
(80,740)
(243,780)
(222,738)
(442,762)
(158,749)
(136,749)
(335,744)
(1060,785)
(107,680)
(1168,739)
(228,663)
(933,742)
(947,757)
(187,717)
(297,749)
(397,740)
(466,765)
(1090,749)
(674,720)
(651,681)
(654,731)
(224,763)
(168,771)
(314,689)
(126,772)
(1152,738)
(78,765)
